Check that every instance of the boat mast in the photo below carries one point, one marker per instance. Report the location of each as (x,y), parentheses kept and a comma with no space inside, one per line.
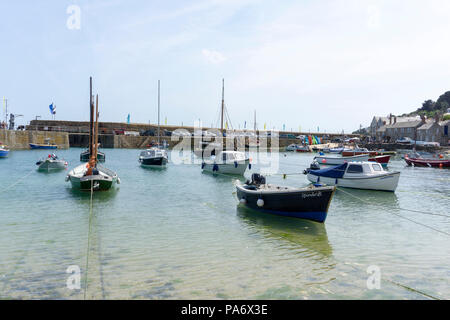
(91,121)
(96,131)
(223,105)
(158,111)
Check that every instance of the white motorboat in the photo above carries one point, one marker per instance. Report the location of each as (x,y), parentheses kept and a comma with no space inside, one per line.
(153,157)
(340,160)
(52,162)
(228,162)
(356,175)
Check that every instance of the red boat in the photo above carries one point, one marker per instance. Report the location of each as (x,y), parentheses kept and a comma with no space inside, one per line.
(352,153)
(383,160)
(422,162)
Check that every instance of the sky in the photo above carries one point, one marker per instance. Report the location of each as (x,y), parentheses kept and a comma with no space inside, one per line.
(310,65)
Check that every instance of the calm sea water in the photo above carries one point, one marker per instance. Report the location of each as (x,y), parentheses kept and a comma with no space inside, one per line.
(176,233)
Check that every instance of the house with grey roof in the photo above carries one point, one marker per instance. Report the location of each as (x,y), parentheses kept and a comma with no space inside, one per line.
(430,131)
(401,129)
(445,132)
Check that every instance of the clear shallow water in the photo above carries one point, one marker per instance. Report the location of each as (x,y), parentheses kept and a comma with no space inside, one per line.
(176,233)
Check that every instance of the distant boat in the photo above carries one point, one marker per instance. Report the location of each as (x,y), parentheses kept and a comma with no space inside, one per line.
(92,176)
(356,175)
(153,157)
(303,149)
(227,162)
(309,203)
(46,145)
(292,147)
(85,156)
(51,163)
(426,162)
(4,151)
(340,160)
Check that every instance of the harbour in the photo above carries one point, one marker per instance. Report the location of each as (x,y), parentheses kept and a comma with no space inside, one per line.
(150,241)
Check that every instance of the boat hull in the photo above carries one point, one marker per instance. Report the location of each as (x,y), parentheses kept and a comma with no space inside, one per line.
(156,161)
(102,181)
(358,153)
(42,146)
(49,165)
(385,182)
(383,160)
(85,156)
(337,161)
(310,204)
(427,162)
(237,168)
(4,153)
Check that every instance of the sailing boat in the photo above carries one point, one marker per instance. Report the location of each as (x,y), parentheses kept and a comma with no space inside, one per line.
(155,156)
(212,147)
(92,176)
(86,155)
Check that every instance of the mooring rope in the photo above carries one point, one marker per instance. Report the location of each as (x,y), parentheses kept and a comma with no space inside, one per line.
(18,180)
(89,237)
(397,214)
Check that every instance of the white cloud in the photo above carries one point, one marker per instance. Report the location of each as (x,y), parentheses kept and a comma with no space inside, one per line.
(213,56)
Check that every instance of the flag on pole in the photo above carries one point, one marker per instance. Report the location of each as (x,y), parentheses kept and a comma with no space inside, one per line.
(52,108)
(165,121)
(245,124)
(226,125)
(265,126)
(284,127)
(128,119)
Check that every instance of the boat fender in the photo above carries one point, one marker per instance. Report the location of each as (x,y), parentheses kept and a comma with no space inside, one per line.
(336,182)
(243,201)
(249,166)
(215,167)
(260,202)
(67,178)
(118,180)
(318,179)
(235,164)
(203,165)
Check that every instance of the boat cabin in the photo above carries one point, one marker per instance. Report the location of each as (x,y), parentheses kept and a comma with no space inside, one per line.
(365,168)
(152,153)
(230,156)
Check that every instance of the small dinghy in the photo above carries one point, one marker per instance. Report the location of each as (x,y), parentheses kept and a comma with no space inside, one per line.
(51,163)
(356,175)
(309,203)
(4,151)
(153,157)
(340,160)
(228,162)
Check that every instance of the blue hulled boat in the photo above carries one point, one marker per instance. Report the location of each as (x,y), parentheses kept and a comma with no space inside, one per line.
(46,145)
(4,151)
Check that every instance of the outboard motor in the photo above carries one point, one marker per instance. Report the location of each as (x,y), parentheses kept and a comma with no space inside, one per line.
(258,179)
(314,166)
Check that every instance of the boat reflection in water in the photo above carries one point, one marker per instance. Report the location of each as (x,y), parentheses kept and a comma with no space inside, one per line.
(309,235)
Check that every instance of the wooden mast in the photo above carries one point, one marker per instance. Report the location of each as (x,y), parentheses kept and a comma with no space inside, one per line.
(223,105)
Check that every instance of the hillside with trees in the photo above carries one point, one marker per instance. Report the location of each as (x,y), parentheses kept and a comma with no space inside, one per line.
(431,108)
